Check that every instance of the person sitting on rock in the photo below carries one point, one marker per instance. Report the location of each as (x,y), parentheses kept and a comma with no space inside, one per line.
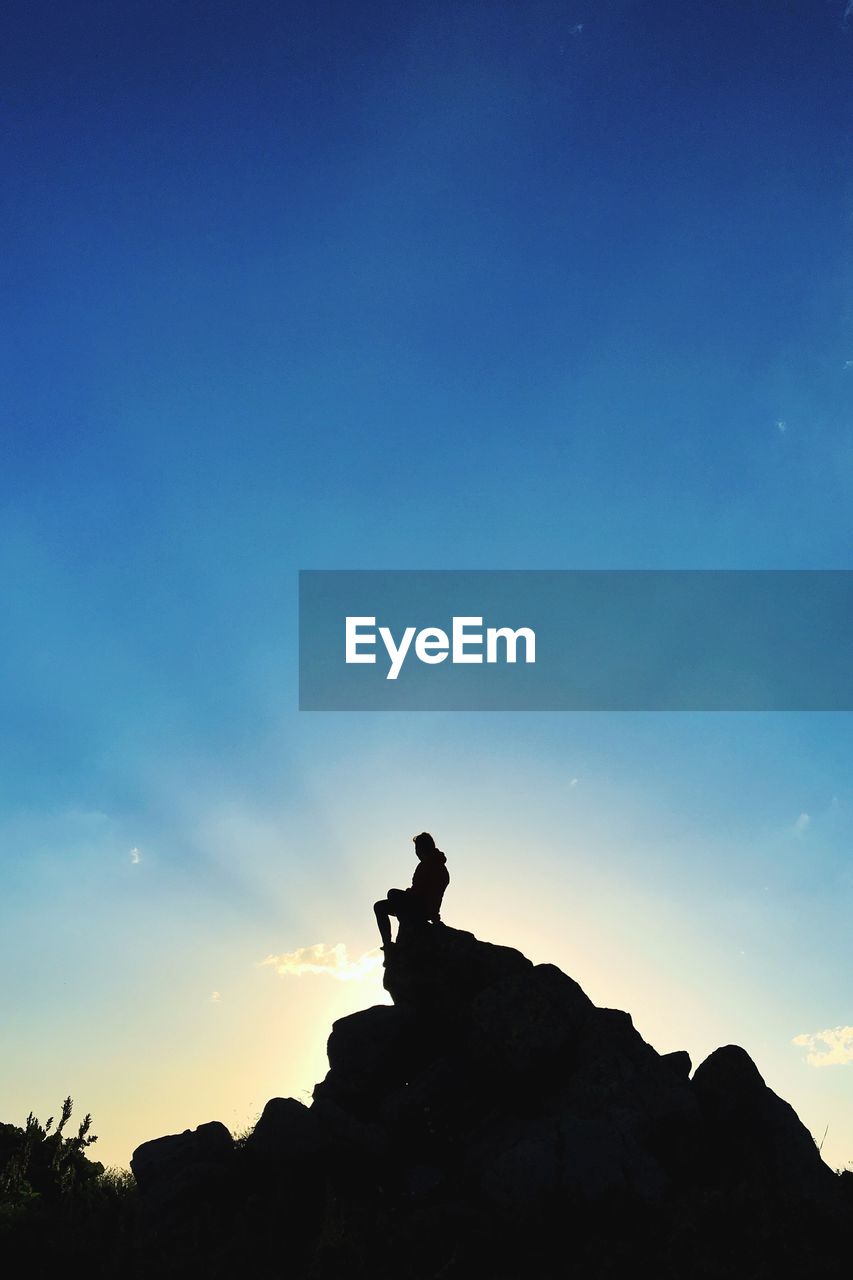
(421,903)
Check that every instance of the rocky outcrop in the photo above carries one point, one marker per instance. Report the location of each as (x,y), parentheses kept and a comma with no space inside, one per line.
(493,1104)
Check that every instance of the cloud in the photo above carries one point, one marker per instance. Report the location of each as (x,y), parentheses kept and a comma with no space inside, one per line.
(848,12)
(215,997)
(802,823)
(574,782)
(135,855)
(321,958)
(781,425)
(831,1048)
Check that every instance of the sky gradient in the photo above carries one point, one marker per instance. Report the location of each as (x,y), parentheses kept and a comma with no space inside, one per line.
(450,285)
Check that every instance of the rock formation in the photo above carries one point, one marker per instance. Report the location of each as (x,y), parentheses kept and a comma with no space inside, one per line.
(493,1120)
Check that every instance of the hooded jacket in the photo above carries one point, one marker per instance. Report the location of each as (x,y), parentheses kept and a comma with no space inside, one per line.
(430,880)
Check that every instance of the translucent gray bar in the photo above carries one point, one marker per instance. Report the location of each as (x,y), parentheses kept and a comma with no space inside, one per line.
(605,640)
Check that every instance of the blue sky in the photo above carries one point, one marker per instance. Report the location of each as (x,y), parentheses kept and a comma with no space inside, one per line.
(441,286)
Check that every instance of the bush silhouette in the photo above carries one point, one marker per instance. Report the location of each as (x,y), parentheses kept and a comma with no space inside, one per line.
(38,1161)
(60,1210)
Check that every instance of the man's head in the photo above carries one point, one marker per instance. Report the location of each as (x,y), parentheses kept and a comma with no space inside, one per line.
(424,844)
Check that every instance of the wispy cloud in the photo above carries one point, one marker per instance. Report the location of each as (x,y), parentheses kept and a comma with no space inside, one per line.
(135,855)
(573,782)
(215,997)
(848,12)
(802,824)
(830,1048)
(781,426)
(332,961)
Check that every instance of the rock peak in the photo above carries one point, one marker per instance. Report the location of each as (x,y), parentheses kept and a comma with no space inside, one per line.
(493,1103)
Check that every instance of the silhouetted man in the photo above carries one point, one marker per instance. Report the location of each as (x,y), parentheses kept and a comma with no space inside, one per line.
(422,902)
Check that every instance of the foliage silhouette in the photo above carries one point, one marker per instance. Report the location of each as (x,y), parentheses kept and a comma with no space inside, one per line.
(58,1208)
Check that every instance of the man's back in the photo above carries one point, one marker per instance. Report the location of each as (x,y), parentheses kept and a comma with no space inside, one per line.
(430,880)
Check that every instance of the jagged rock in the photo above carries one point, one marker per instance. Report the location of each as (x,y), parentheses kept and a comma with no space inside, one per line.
(619,1080)
(175,1171)
(565,1159)
(528,1023)
(614,1066)
(679,1062)
(358,1148)
(436,972)
(290,1154)
(432,1117)
(370,1054)
(287,1135)
(754,1136)
(610,1117)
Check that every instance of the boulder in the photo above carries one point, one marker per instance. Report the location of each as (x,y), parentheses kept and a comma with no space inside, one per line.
(679,1062)
(528,1024)
(370,1054)
(753,1136)
(436,972)
(619,1080)
(287,1135)
(358,1147)
(179,1170)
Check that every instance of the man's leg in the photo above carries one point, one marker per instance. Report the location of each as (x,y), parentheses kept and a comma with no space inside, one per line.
(383,919)
(408,909)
